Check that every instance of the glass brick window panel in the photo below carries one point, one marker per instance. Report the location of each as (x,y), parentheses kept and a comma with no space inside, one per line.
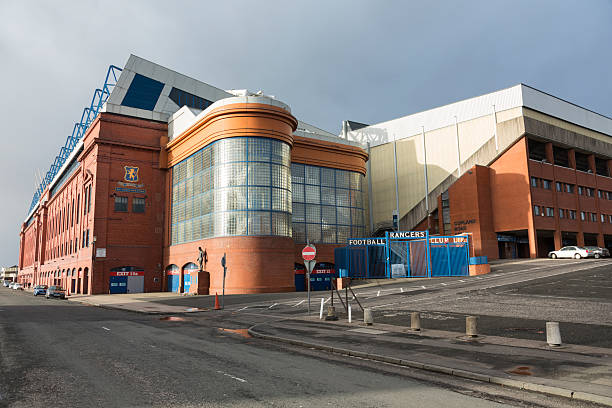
(259,150)
(356,216)
(313,233)
(121,204)
(280,153)
(312,175)
(221,183)
(259,223)
(230,174)
(328,215)
(281,224)
(280,176)
(299,213)
(231,198)
(328,195)
(297,173)
(297,191)
(312,194)
(342,179)
(357,232)
(259,174)
(344,233)
(355,180)
(343,215)
(313,213)
(342,197)
(281,200)
(328,234)
(259,198)
(299,232)
(328,177)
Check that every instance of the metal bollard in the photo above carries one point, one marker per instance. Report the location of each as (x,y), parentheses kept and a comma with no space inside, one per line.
(470,326)
(350,314)
(367,316)
(321,311)
(331,313)
(415,321)
(553,334)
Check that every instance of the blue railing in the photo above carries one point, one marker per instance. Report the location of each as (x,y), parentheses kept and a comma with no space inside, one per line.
(89,114)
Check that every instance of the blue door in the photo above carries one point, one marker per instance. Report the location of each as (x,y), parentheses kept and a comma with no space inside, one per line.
(118,284)
(186,282)
(173,283)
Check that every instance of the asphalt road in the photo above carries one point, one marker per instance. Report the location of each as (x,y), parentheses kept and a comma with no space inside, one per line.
(55,352)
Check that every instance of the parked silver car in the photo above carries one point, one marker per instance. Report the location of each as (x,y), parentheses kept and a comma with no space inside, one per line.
(598,252)
(570,252)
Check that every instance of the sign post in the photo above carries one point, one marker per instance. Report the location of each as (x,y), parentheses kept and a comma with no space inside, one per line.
(224,273)
(308,254)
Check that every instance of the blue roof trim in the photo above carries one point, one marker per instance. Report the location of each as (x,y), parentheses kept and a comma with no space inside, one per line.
(90,113)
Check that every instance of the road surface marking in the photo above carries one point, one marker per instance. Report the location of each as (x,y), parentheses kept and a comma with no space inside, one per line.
(105,328)
(272,305)
(299,303)
(242,380)
(327,300)
(240,310)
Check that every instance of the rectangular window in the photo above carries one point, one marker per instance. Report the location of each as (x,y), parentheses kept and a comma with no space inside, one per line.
(572,214)
(546,184)
(138,205)
(561,213)
(600,194)
(121,204)
(603,218)
(590,192)
(536,210)
(88,199)
(569,188)
(593,217)
(550,212)
(78,208)
(534,182)
(87,238)
(610,219)
(580,190)
(559,186)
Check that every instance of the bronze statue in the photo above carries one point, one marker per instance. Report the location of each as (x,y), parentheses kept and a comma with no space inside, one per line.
(202,258)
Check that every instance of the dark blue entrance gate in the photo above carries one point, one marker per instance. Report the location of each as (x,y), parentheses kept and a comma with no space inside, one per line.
(404,254)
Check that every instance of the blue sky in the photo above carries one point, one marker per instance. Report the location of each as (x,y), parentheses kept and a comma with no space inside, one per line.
(367,61)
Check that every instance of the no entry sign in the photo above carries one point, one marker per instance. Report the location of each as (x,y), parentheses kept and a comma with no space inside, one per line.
(309,253)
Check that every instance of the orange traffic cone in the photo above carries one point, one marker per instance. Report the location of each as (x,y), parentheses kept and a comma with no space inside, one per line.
(217,306)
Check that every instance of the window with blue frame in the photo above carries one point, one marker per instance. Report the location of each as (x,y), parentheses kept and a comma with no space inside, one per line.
(182,98)
(143,93)
(327,204)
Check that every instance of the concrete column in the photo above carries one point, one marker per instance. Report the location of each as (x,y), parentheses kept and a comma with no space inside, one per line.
(580,238)
(550,157)
(591,159)
(572,158)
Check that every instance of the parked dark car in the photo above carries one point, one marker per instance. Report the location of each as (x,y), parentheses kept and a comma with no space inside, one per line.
(56,292)
(599,252)
(40,290)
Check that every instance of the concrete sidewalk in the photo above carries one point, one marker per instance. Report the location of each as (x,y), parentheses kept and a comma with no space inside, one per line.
(147,303)
(579,372)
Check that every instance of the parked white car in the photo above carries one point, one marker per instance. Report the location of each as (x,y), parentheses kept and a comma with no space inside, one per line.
(570,252)
(17,286)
